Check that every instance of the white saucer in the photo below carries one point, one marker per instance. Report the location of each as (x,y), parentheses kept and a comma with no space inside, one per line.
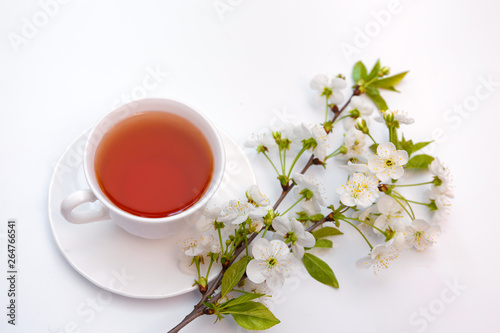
(117,261)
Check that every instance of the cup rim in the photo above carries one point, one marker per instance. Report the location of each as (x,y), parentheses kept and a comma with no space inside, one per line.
(217,176)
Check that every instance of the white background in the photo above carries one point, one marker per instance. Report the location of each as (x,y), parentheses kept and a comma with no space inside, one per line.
(242,66)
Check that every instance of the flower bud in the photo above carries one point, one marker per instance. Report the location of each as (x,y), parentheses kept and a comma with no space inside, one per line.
(388,116)
(269,217)
(385,70)
(361,126)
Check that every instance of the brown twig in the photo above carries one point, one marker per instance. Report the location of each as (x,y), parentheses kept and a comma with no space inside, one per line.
(343,108)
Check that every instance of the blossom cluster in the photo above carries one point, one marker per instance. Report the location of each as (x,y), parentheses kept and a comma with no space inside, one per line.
(257,244)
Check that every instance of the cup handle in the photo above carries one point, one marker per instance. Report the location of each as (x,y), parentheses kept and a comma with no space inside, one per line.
(77,198)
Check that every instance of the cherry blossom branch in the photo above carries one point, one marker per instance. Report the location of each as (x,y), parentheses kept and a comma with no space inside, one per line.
(200,309)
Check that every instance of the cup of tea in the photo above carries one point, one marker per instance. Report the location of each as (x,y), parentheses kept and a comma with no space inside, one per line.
(153,164)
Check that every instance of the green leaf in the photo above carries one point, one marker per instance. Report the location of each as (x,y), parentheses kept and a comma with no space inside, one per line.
(319,270)
(242,299)
(390,82)
(325,232)
(420,145)
(374,95)
(421,161)
(406,145)
(373,148)
(252,316)
(209,305)
(324,243)
(410,147)
(358,72)
(233,275)
(374,71)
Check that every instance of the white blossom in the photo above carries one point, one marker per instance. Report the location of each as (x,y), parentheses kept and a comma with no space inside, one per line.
(272,263)
(253,194)
(199,247)
(368,215)
(379,258)
(260,288)
(444,186)
(326,86)
(291,230)
(264,138)
(304,182)
(365,109)
(207,219)
(421,235)
(237,212)
(318,133)
(442,202)
(391,213)
(194,246)
(360,190)
(388,163)
(355,143)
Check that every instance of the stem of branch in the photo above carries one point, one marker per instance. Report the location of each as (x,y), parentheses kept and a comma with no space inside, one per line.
(197,312)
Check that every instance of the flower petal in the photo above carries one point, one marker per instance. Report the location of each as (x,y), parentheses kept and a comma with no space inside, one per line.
(386,149)
(402,157)
(386,204)
(258,213)
(257,271)
(281,225)
(280,249)
(398,172)
(275,281)
(298,251)
(239,219)
(260,249)
(365,262)
(337,97)
(319,82)
(307,240)
(338,83)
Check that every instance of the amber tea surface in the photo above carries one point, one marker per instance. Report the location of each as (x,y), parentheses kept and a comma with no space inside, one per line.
(154,164)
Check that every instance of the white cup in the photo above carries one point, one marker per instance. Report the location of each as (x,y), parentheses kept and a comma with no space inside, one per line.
(152,228)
